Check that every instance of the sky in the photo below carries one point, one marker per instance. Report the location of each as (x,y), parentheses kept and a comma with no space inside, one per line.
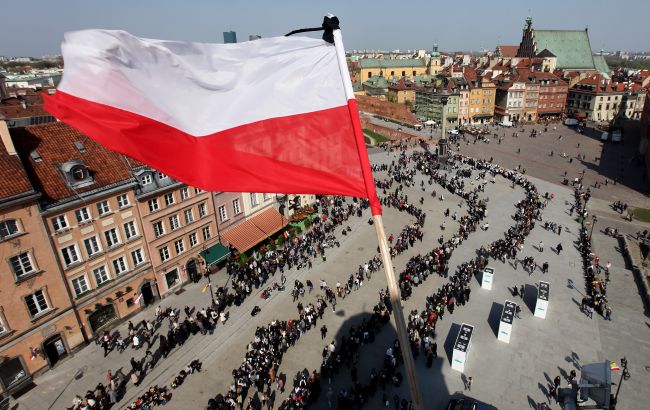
(35,27)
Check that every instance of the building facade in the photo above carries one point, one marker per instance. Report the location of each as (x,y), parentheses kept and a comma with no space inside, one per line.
(89,212)
(38,325)
(178,223)
(594,99)
(408,67)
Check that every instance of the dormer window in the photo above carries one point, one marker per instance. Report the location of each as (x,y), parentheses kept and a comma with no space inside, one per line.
(76,174)
(79,173)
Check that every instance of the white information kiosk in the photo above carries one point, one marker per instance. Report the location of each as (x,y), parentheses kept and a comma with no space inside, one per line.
(486,282)
(505,325)
(542,299)
(461,347)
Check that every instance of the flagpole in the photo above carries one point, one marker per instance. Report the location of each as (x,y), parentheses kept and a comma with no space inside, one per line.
(330,23)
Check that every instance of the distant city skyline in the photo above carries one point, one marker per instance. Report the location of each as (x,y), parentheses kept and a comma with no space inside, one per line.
(379,25)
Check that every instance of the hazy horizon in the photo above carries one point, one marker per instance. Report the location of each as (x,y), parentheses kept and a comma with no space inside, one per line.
(34,28)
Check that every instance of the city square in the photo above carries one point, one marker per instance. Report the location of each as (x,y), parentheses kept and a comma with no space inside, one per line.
(441,213)
(539,348)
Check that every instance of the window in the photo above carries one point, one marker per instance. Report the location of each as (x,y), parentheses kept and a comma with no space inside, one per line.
(403,73)
(37,303)
(112,238)
(130,231)
(235,206)
(82,215)
(266,197)
(202,210)
(153,205)
(21,265)
(185,193)
(92,246)
(189,216)
(101,275)
(8,228)
(223,215)
(193,240)
(180,246)
(137,257)
(103,208)
(120,266)
(206,233)
(174,223)
(169,199)
(253,200)
(80,285)
(158,229)
(146,179)
(123,200)
(197,191)
(162,176)
(59,223)
(70,255)
(164,253)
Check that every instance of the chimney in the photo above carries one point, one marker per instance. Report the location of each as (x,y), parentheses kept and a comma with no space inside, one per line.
(6,138)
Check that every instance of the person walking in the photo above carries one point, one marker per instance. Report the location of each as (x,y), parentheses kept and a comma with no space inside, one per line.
(559,248)
(469,383)
(517,311)
(522,290)
(545,267)
(323,332)
(541,246)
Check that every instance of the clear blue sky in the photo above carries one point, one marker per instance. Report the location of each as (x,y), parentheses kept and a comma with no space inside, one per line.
(36,27)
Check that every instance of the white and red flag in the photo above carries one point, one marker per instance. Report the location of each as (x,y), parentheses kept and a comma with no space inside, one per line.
(271,115)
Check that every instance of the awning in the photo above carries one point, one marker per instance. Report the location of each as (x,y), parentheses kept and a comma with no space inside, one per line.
(215,254)
(254,230)
(483,116)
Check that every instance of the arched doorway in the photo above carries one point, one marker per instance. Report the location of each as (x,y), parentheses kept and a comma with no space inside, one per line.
(193,270)
(54,349)
(147,293)
(101,317)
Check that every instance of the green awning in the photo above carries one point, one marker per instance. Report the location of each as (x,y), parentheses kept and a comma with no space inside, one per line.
(215,254)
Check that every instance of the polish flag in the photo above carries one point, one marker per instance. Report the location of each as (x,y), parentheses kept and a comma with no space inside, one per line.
(271,115)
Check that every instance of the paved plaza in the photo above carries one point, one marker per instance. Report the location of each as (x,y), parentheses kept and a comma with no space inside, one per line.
(509,376)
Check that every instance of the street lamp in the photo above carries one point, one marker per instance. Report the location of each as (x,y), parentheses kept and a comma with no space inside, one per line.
(625,374)
(207,272)
(593,223)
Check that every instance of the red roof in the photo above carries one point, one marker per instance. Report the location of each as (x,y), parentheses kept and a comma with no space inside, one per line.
(55,144)
(508,51)
(13,178)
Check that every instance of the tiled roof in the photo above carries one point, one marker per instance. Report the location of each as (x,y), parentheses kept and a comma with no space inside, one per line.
(13,178)
(396,63)
(508,51)
(55,144)
(402,84)
(601,65)
(571,47)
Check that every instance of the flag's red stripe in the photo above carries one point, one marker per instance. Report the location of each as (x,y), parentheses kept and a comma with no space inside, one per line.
(312,153)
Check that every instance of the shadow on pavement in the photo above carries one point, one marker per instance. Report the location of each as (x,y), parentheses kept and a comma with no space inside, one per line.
(450,340)
(530,297)
(494,317)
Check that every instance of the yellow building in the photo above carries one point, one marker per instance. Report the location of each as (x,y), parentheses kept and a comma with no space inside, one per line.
(408,67)
(481,100)
(402,91)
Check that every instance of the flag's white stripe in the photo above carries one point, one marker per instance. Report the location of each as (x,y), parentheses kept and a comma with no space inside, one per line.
(203,88)
(343,65)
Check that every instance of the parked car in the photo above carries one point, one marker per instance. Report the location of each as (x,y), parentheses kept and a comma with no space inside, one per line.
(617,136)
(506,123)
(571,122)
(468,403)
(452,132)
(604,136)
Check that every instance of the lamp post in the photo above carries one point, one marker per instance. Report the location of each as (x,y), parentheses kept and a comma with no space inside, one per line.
(594,219)
(207,273)
(625,374)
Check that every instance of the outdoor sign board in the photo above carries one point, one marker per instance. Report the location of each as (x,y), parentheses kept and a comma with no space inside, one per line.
(488,274)
(542,299)
(505,324)
(461,347)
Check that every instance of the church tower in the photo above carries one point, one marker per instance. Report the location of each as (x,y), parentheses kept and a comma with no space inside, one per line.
(527,45)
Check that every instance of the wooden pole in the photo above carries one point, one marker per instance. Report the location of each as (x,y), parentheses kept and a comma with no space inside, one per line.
(393,289)
(398,313)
